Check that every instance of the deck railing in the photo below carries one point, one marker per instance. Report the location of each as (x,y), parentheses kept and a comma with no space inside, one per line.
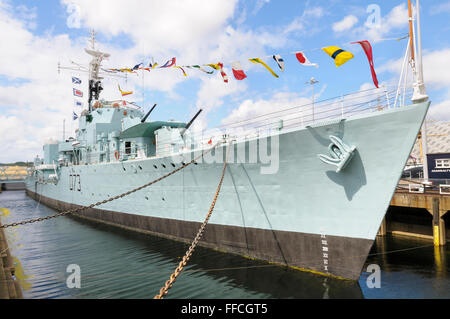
(297,116)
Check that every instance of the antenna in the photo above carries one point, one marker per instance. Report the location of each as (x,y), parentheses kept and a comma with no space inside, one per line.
(92,39)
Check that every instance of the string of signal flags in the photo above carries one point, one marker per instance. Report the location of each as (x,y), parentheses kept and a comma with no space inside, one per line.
(339,56)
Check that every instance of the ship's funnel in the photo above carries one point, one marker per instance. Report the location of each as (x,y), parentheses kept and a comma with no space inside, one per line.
(190,122)
(146,115)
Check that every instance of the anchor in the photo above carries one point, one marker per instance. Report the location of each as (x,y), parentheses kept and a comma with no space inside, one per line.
(341,154)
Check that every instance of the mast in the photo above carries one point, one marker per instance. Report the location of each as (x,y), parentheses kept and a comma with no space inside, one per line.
(419,93)
(95,84)
(411,34)
(420,81)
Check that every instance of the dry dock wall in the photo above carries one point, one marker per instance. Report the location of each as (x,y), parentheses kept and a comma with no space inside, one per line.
(9,288)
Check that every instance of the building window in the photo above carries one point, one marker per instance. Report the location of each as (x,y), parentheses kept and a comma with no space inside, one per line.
(443,163)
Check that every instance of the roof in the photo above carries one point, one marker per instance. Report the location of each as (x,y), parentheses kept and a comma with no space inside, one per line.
(148,129)
(438,139)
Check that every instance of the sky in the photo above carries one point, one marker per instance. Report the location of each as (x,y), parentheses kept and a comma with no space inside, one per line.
(35,98)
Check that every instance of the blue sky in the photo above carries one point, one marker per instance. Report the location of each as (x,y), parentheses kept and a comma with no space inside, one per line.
(34,98)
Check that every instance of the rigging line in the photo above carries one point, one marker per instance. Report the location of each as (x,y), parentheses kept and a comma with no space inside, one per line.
(402,37)
(347,43)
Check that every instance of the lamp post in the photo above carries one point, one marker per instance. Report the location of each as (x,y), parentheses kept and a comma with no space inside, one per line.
(312,81)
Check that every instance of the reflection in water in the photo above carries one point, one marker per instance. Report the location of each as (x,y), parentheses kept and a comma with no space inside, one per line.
(440,259)
(119,264)
(410,268)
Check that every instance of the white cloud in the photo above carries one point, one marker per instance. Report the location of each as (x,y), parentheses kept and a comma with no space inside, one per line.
(396,19)
(281,105)
(259,4)
(440,111)
(36,99)
(345,24)
(433,64)
(161,26)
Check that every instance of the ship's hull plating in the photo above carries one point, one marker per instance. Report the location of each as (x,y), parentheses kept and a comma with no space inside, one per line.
(304,215)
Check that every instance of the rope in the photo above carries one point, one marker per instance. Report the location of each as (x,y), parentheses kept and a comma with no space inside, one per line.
(77,210)
(173,277)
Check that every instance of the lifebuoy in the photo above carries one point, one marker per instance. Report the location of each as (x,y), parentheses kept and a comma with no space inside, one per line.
(116,155)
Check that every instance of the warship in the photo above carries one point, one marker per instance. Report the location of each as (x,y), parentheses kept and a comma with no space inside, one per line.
(306,189)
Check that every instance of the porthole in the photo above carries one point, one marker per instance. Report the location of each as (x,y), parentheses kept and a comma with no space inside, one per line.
(163,165)
(173,165)
(140,167)
(156,167)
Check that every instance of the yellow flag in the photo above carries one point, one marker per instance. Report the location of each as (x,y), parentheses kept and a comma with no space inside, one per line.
(340,56)
(124,93)
(256,60)
(214,66)
(127,70)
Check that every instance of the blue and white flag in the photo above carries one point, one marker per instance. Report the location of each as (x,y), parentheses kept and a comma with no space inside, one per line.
(78,103)
(75,116)
(137,66)
(76,80)
(279,61)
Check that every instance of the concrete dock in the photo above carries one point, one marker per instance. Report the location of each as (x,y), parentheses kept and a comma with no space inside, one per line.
(419,212)
(9,288)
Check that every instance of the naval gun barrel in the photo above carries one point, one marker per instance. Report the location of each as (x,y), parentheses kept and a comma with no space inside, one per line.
(146,115)
(191,121)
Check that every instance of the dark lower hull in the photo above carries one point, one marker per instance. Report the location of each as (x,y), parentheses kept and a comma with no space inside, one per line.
(327,255)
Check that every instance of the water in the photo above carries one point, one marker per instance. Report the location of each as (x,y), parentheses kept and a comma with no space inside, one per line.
(121,264)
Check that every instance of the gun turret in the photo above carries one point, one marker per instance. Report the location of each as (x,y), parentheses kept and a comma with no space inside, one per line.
(146,115)
(191,121)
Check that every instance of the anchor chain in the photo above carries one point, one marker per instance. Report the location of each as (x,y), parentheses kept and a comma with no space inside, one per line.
(77,210)
(173,277)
